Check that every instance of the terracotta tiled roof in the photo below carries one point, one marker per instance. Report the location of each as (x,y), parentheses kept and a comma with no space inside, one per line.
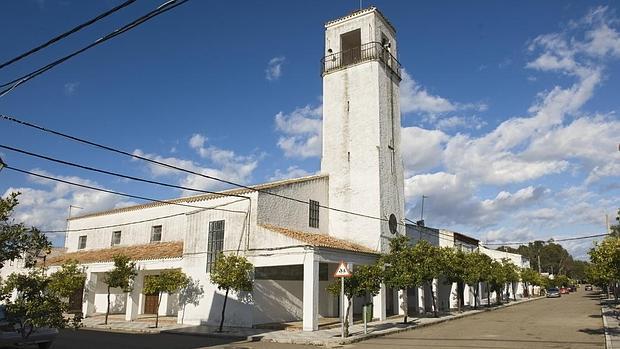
(161,250)
(203,197)
(320,240)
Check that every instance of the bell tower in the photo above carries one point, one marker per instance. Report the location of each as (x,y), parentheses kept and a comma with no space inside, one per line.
(361,128)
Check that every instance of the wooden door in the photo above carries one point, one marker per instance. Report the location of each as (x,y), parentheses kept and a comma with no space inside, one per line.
(75,300)
(150,303)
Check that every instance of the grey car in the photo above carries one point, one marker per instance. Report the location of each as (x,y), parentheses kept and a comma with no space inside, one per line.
(553,293)
(42,337)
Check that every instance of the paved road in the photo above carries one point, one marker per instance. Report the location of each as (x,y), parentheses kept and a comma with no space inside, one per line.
(572,321)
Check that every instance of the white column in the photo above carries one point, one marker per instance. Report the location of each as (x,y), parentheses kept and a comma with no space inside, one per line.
(88,302)
(378,305)
(163,305)
(435,288)
(402,302)
(311,293)
(421,300)
(132,308)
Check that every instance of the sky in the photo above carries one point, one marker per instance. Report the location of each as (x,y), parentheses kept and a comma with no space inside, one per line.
(510,119)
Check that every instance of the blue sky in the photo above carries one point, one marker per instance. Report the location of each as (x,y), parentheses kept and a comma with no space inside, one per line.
(510,121)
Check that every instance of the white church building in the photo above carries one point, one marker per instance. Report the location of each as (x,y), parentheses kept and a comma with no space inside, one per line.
(296,231)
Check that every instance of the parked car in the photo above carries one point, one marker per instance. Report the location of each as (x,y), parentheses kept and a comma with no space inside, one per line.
(588,288)
(9,336)
(573,288)
(553,293)
(564,290)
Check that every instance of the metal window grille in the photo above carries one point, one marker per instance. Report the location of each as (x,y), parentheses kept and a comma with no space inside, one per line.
(156,233)
(215,242)
(116,238)
(313,214)
(82,242)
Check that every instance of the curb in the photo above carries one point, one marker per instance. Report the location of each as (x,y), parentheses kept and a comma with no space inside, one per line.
(608,342)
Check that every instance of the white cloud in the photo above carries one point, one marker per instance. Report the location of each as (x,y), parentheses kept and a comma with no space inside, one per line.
(301,132)
(414,98)
(507,235)
(45,204)
(274,68)
(70,88)
(223,164)
(290,172)
(421,149)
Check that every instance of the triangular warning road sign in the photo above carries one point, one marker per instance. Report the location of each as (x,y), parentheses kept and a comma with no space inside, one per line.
(342,271)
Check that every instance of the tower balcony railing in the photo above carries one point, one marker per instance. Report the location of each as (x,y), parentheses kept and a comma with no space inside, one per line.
(372,51)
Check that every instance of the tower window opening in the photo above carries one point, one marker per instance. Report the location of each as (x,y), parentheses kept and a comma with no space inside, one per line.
(351,45)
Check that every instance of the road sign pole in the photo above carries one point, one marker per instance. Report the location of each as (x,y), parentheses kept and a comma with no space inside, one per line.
(342,315)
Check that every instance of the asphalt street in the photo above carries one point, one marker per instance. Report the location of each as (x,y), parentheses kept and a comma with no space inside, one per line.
(572,321)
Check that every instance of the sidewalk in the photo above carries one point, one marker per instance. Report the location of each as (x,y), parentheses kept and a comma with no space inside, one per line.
(611,323)
(331,337)
(144,324)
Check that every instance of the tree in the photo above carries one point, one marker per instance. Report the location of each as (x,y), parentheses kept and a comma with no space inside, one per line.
(365,281)
(428,265)
(231,273)
(168,281)
(401,271)
(511,273)
(16,240)
(121,276)
(497,279)
(477,271)
(67,280)
(615,229)
(455,269)
(529,277)
(605,258)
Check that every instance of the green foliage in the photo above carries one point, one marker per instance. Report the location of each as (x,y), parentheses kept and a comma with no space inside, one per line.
(231,273)
(561,281)
(364,281)
(67,280)
(168,281)
(400,271)
(497,279)
(37,304)
(16,240)
(605,259)
(615,229)
(121,276)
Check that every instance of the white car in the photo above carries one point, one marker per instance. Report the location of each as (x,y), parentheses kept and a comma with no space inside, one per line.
(43,337)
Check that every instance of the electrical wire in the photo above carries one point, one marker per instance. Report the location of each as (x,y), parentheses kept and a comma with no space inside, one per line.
(549,240)
(169,202)
(163,164)
(165,7)
(93,169)
(66,34)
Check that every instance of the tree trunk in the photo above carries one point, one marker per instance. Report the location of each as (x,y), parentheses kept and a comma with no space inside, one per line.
(346,317)
(460,295)
(488,295)
(107,312)
(476,291)
(514,291)
(223,311)
(157,310)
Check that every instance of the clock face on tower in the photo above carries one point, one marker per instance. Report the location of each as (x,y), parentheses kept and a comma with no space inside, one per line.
(393,224)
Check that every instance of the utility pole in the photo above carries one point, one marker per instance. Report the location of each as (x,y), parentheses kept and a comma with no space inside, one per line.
(422,213)
(538,261)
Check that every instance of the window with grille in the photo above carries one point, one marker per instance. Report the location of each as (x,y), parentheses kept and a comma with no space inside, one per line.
(156,233)
(116,238)
(314,214)
(215,243)
(82,242)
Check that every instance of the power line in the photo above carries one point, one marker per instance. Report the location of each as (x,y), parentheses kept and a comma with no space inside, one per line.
(163,164)
(116,192)
(550,240)
(93,169)
(66,34)
(167,6)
